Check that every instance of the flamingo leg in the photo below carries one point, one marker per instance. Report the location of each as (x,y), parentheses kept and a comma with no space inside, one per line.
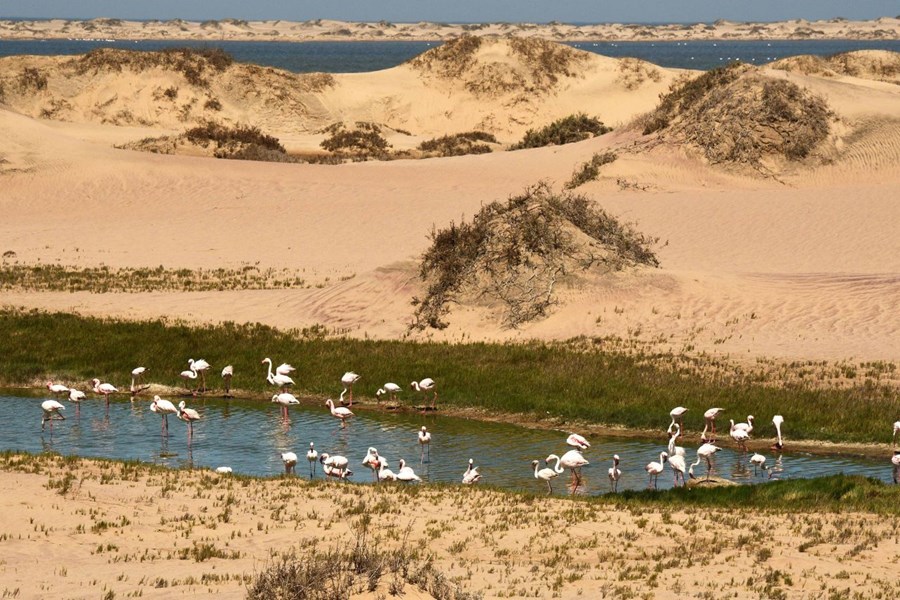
(549,488)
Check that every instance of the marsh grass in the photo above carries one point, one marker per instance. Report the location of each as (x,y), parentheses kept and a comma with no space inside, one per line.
(554,382)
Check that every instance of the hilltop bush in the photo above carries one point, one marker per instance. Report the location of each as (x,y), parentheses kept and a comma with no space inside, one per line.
(573,128)
(192,63)
(459,144)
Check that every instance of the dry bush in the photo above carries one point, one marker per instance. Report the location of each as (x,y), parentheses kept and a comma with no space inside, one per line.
(226,137)
(458,144)
(547,60)
(590,170)
(514,253)
(451,59)
(192,63)
(362,142)
(633,73)
(32,80)
(573,128)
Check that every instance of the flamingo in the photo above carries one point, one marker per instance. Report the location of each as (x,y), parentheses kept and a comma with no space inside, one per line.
(778,420)
(290,461)
(896,431)
(759,462)
(426,385)
(614,474)
(190,374)
(284,369)
(372,461)
(165,408)
(546,474)
(312,456)
(740,436)
(748,426)
(385,474)
(76,396)
(51,410)
(895,460)
(188,415)
(200,366)
(673,435)
(655,468)
(704,452)
(227,374)
(677,414)
(471,475)
(572,460)
(137,379)
(104,388)
(285,400)
(425,442)
(578,442)
(224,470)
(389,388)
(678,467)
(347,380)
(57,388)
(710,416)
(335,466)
(278,379)
(340,412)
(406,474)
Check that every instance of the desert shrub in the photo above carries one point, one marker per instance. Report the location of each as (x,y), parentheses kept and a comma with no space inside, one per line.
(364,140)
(514,253)
(258,152)
(547,61)
(171,93)
(459,144)
(212,104)
(316,82)
(590,170)
(192,63)
(32,79)
(451,59)
(573,128)
(224,136)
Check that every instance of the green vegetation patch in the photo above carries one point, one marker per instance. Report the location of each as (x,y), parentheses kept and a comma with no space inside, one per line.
(574,128)
(361,141)
(590,170)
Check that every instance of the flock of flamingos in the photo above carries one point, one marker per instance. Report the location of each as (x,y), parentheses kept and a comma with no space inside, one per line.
(339,466)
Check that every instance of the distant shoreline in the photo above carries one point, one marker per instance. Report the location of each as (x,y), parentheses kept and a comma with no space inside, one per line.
(884,28)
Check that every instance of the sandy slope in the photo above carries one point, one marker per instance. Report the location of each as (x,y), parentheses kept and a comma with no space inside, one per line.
(805,266)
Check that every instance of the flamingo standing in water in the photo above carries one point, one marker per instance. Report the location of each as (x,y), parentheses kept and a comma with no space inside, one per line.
(759,462)
(678,468)
(406,474)
(895,460)
(200,366)
(279,379)
(312,456)
(104,388)
(340,412)
(677,415)
(546,474)
(137,379)
(655,468)
(572,460)
(777,421)
(704,452)
(389,388)
(57,388)
(748,426)
(710,416)
(51,410)
(896,431)
(165,408)
(426,385)
(425,442)
(578,442)
(471,475)
(285,400)
(372,461)
(614,474)
(740,436)
(188,415)
(347,380)
(673,435)
(76,396)
(227,374)
(290,461)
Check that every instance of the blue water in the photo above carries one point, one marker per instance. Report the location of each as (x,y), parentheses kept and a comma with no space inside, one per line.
(249,436)
(354,57)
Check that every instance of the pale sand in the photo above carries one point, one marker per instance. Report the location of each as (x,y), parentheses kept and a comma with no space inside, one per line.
(887,27)
(122,530)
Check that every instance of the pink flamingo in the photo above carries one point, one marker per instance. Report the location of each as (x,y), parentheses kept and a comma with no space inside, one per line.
(57,388)
(340,412)
(104,388)
(165,408)
(188,415)
(285,399)
(51,410)
(426,385)
(347,380)
(76,396)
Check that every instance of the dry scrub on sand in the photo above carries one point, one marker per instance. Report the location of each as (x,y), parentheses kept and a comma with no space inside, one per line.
(877,65)
(79,528)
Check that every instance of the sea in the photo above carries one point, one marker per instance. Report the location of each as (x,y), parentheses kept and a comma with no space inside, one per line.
(356,57)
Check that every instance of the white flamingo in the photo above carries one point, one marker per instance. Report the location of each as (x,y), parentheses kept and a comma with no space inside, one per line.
(759,462)
(188,415)
(277,378)
(137,380)
(224,470)
(312,456)
(284,369)
(677,415)
(385,474)
(335,466)
(572,460)
(578,442)
(372,461)
(704,452)
(426,385)
(471,475)
(673,435)
(104,388)
(51,410)
(285,399)
(76,396)
(164,408)
(290,461)
(615,473)
(546,474)
(655,468)
(57,388)
(389,388)
(340,412)
(227,374)
(190,374)
(741,437)
(895,460)
(777,421)
(200,366)
(896,431)
(425,442)
(710,416)
(748,426)
(347,380)
(677,463)
(406,474)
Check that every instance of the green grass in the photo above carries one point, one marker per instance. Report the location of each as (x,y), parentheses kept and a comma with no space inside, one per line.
(556,382)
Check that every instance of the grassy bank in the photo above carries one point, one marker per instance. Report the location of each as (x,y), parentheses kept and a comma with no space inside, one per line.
(548,381)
